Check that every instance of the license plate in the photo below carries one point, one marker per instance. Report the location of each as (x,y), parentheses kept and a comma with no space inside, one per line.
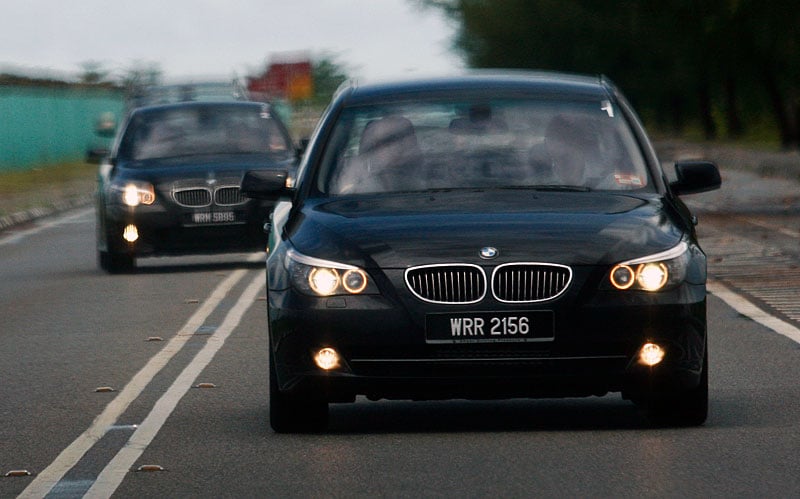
(213,217)
(490,327)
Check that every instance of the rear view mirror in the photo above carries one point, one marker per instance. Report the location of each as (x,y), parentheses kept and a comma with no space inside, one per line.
(695,176)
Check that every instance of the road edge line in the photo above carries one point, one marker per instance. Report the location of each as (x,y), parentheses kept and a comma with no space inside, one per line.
(747,308)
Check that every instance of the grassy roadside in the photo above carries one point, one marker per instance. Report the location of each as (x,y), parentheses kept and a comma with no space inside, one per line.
(46,187)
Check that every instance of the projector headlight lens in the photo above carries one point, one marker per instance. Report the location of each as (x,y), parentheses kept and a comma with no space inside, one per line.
(652,273)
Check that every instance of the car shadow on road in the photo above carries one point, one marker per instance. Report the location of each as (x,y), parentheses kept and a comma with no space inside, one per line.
(590,414)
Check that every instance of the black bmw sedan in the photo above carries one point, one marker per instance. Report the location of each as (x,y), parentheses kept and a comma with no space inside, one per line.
(171,186)
(484,237)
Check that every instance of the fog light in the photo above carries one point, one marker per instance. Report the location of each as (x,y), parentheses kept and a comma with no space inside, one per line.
(327,359)
(651,354)
(130,234)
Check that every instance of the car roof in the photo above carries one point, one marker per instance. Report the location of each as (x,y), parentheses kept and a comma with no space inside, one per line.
(150,95)
(205,104)
(482,83)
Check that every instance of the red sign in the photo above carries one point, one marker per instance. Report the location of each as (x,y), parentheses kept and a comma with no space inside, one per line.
(288,80)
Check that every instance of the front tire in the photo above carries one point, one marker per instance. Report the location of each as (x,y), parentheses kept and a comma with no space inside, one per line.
(294,413)
(115,263)
(681,407)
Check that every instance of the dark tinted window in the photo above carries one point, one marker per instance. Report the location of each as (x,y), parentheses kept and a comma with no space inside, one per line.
(515,142)
(199,130)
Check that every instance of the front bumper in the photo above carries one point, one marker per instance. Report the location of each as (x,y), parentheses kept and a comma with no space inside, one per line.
(168,230)
(385,355)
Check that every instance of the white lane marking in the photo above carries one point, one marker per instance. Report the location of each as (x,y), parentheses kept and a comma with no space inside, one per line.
(116,470)
(744,307)
(16,237)
(70,456)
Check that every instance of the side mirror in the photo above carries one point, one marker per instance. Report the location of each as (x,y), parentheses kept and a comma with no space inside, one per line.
(96,155)
(106,125)
(266,184)
(695,176)
(301,148)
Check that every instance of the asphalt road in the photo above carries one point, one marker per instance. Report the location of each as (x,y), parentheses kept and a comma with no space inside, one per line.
(181,347)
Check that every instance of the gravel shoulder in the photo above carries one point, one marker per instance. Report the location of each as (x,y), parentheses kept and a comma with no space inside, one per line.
(753,181)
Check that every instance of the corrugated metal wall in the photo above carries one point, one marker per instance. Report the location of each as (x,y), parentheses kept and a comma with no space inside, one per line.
(41,126)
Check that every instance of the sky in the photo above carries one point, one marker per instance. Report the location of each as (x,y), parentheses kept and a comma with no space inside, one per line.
(211,39)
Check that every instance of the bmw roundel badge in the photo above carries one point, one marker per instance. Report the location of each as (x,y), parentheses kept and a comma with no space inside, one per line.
(489,252)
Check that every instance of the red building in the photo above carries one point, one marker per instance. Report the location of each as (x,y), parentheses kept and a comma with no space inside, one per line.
(285,80)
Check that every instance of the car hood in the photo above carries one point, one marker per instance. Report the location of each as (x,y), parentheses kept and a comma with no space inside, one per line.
(402,230)
(205,167)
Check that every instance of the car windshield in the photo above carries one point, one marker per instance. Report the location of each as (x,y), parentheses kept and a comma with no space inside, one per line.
(200,130)
(502,143)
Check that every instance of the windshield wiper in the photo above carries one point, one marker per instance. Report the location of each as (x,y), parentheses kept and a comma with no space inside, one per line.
(548,187)
(562,188)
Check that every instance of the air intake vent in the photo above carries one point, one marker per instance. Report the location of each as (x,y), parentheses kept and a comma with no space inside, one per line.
(193,198)
(449,283)
(529,282)
(228,196)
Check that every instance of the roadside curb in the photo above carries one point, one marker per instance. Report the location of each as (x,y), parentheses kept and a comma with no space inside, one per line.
(30,215)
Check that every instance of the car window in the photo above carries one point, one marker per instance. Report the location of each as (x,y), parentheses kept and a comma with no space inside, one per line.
(198,130)
(515,143)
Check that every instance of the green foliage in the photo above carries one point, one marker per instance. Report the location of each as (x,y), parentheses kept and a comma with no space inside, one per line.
(328,74)
(721,65)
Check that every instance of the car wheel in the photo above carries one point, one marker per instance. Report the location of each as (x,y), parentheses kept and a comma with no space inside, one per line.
(681,408)
(294,413)
(115,263)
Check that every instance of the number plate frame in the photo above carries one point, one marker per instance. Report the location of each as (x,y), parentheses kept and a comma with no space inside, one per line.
(490,327)
(212,218)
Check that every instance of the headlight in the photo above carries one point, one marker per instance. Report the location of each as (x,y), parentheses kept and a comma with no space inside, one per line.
(653,272)
(136,193)
(317,277)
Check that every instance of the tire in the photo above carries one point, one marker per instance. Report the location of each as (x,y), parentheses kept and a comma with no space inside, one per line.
(294,413)
(681,408)
(115,263)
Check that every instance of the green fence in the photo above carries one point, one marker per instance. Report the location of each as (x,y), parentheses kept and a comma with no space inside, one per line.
(41,125)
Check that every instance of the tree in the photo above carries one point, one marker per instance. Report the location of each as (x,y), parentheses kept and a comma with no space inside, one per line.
(328,74)
(716,63)
(93,73)
(139,75)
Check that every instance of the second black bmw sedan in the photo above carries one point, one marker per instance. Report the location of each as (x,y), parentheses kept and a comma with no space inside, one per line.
(487,236)
(171,186)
